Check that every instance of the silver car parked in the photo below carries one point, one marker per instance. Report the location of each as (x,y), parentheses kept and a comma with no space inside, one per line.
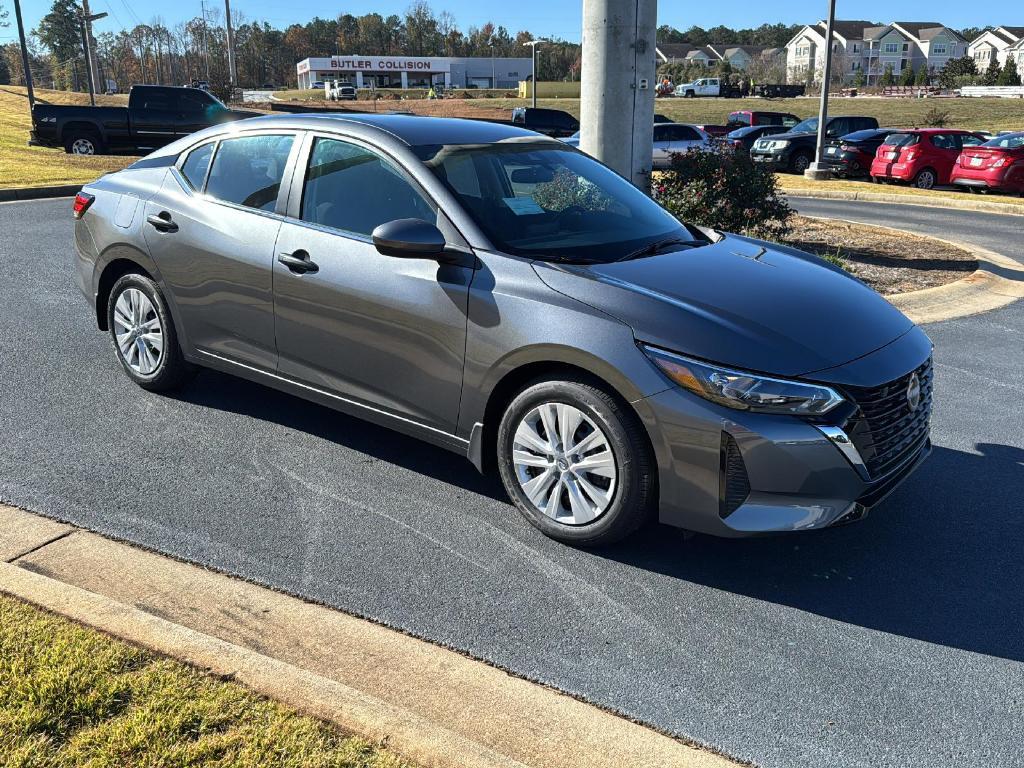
(504,296)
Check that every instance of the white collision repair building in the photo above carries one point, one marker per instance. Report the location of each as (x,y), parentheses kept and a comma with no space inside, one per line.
(414,71)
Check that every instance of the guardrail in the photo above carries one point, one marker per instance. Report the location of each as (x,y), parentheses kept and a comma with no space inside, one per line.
(1002,91)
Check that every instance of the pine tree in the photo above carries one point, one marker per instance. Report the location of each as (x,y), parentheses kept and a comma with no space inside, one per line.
(5,71)
(923,76)
(1009,75)
(888,77)
(991,76)
(955,69)
(859,80)
(907,77)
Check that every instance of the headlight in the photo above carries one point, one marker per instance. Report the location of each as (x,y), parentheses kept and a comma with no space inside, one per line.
(745,391)
(780,144)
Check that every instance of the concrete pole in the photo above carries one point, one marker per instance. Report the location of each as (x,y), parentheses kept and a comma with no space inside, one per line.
(533,68)
(617,93)
(26,65)
(232,72)
(88,62)
(817,171)
(93,68)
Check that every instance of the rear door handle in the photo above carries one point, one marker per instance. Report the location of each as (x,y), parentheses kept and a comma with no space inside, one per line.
(162,222)
(298,262)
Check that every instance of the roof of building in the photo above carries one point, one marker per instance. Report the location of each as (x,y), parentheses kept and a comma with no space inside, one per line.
(850,30)
(925,30)
(674,50)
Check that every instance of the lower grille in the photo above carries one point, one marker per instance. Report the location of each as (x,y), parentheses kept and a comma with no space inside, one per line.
(887,430)
(734,485)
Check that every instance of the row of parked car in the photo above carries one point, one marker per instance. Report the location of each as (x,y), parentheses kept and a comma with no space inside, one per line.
(859,148)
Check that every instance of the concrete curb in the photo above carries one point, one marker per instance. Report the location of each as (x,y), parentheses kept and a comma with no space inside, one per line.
(980,206)
(433,706)
(997,282)
(38,193)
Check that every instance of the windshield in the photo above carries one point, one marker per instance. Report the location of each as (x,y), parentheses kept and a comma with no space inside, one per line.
(548,202)
(1009,141)
(810,125)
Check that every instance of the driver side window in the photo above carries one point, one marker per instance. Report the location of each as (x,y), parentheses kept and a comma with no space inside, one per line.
(352,189)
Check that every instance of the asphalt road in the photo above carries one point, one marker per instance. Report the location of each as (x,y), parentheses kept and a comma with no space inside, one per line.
(894,642)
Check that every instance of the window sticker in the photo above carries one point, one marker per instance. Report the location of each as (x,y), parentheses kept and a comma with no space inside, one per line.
(523,206)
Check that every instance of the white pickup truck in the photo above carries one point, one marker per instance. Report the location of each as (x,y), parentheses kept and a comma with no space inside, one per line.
(706,86)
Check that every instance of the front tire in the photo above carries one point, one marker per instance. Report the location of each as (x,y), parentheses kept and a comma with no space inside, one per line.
(801,162)
(143,335)
(576,462)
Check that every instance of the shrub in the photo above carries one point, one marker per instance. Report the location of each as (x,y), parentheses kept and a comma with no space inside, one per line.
(936,118)
(727,191)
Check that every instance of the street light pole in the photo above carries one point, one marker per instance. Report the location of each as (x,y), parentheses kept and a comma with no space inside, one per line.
(24,57)
(533,44)
(817,170)
(232,73)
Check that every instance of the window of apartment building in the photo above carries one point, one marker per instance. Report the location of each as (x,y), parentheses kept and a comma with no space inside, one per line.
(803,50)
(892,48)
(856,48)
(939,48)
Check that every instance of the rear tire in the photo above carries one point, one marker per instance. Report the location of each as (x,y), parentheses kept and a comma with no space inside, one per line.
(925,179)
(143,335)
(83,142)
(576,462)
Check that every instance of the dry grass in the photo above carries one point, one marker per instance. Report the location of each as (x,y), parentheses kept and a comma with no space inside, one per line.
(890,262)
(25,166)
(72,697)
(794,185)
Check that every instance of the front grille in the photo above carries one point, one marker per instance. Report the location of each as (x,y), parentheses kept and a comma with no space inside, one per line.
(734,485)
(885,429)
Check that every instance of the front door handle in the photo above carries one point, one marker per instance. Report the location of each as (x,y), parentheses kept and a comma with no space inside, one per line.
(298,262)
(162,222)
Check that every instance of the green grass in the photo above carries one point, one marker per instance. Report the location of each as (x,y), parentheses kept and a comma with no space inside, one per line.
(978,114)
(25,166)
(71,696)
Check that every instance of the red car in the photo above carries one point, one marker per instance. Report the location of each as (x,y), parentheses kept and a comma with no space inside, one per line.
(923,157)
(997,164)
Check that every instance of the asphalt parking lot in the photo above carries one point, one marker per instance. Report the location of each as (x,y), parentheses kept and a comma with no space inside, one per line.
(893,642)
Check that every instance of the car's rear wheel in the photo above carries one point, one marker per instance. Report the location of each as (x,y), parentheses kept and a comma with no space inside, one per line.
(83,142)
(143,335)
(925,179)
(576,462)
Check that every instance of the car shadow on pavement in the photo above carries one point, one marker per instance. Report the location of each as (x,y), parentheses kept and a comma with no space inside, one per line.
(940,560)
(212,389)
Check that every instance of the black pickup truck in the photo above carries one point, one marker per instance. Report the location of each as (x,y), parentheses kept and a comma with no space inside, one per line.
(155,115)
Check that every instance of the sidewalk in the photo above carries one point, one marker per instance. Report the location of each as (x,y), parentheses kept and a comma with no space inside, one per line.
(431,705)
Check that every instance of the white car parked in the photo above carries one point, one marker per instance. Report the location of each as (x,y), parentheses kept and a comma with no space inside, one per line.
(669,139)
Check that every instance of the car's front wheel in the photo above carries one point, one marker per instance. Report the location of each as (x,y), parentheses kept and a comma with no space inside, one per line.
(576,462)
(143,335)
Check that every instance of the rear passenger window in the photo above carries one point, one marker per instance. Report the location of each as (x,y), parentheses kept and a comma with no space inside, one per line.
(247,170)
(195,166)
(944,141)
(355,190)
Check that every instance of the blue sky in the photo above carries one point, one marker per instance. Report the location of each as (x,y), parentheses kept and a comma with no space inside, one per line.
(559,18)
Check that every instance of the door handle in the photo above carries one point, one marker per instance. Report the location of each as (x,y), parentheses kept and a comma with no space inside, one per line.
(162,222)
(298,262)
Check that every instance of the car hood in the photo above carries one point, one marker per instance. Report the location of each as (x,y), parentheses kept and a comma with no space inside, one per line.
(739,302)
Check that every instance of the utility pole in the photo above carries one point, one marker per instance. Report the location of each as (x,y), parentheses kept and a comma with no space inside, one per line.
(617,93)
(206,44)
(92,65)
(24,57)
(817,170)
(533,67)
(232,73)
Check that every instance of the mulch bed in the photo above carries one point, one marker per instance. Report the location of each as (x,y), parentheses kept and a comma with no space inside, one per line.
(888,261)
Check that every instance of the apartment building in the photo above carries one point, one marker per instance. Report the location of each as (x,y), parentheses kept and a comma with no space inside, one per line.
(869,48)
(738,56)
(995,44)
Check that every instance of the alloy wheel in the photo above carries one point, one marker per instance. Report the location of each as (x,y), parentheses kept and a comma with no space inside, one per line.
(137,329)
(925,180)
(564,464)
(83,147)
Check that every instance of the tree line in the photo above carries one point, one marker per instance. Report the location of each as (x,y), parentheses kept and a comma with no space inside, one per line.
(156,52)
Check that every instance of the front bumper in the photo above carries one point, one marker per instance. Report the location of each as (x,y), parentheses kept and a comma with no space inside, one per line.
(733,473)
(772,159)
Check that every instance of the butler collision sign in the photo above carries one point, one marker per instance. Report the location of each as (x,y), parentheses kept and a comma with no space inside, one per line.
(414,71)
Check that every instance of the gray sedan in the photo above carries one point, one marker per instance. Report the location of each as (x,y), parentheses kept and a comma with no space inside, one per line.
(504,296)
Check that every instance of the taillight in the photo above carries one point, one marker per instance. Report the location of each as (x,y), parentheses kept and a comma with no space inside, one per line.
(1001,162)
(847,148)
(911,154)
(82,202)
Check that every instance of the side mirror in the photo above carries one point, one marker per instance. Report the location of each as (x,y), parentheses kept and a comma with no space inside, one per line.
(409,239)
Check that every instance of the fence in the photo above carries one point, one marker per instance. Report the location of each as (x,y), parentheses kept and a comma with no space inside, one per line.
(1002,91)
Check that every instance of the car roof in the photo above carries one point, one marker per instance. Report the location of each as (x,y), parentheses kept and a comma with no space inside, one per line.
(414,130)
(930,131)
